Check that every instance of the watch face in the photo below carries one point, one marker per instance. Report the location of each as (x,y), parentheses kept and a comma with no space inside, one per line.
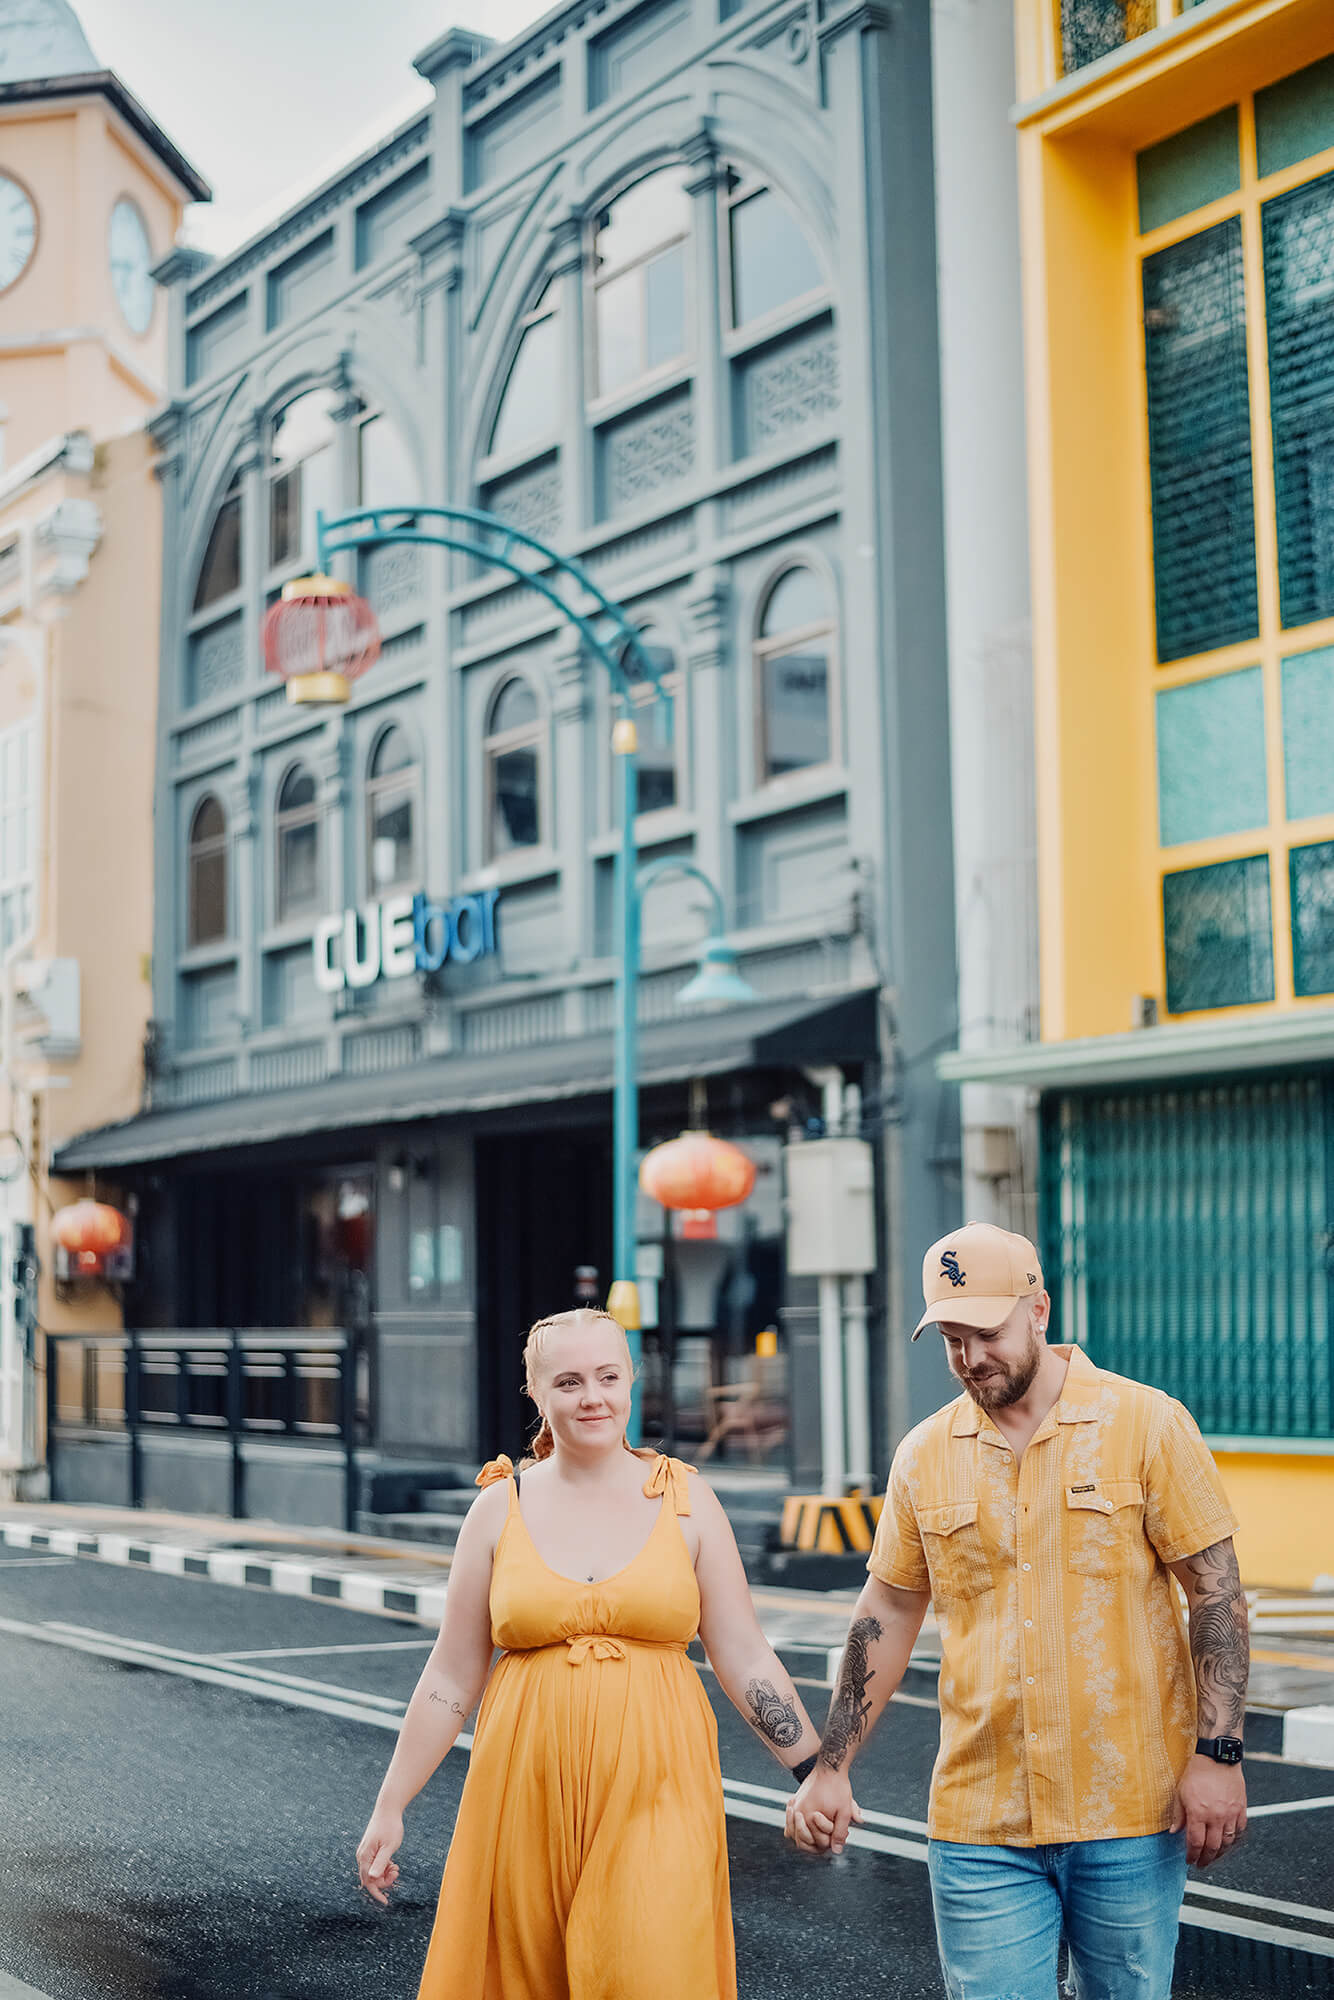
(18,230)
(131,263)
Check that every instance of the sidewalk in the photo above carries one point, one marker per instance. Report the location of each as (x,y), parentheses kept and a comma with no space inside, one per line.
(1292,1634)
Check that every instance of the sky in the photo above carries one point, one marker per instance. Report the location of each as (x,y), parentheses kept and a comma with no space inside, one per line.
(267,97)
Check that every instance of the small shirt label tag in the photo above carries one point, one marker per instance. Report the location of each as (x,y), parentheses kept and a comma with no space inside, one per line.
(1085,1489)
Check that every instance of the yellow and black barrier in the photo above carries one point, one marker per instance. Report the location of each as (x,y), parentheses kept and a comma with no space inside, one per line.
(815,1522)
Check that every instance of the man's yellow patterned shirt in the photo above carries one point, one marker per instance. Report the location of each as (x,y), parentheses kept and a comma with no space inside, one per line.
(1067,1695)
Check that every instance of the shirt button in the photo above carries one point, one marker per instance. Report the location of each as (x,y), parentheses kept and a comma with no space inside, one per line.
(1108,1505)
(1032,1735)
(1026,1565)
(1030,1680)
(1028,1621)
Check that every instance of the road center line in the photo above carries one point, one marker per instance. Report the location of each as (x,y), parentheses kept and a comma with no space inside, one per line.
(310,1652)
(761,1804)
(1289,1806)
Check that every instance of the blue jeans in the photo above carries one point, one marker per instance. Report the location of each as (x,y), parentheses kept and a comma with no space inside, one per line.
(1000,1912)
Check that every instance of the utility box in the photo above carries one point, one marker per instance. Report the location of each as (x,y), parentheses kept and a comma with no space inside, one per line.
(830,1208)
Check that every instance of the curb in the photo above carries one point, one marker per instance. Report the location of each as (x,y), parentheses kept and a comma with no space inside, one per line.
(1308,1736)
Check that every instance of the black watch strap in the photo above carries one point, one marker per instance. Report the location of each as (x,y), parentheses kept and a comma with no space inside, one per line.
(1223,1749)
(803,1770)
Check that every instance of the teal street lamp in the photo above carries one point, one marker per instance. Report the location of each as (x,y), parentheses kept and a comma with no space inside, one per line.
(614,640)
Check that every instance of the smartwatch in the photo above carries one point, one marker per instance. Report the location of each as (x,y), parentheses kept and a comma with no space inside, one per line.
(1223,1749)
(803,1770)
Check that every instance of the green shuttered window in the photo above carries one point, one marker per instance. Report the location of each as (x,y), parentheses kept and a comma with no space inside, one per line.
(1200,444)
(1184,1244)
(1211,757)
(1217,935)
(1299,300)
(1311,872)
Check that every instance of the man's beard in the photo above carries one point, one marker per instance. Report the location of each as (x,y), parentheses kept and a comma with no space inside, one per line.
(1009,1385)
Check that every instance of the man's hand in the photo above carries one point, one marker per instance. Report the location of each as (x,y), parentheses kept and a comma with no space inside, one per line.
(820,1813)
(1210,1804)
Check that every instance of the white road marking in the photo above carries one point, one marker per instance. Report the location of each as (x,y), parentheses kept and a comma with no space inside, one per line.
(292,1652)
(14,1989)
(1289,1806)
(34,1562)
(761,1804)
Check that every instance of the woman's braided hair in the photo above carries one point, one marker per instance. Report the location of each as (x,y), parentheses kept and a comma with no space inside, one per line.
(536,1343)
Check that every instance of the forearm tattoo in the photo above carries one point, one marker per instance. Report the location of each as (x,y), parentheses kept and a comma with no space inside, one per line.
(1220,1641)
(446,1701)
(849,1709)
(775,1718)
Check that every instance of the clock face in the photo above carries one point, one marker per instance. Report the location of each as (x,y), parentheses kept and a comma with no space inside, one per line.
(18,230)
(131,262)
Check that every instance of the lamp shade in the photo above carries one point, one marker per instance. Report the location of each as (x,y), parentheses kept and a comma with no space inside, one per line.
(318,637)
(717,983)
(697,1171)
(89,1231)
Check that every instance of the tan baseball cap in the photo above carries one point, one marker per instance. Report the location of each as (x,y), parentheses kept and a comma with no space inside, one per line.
(977,1275)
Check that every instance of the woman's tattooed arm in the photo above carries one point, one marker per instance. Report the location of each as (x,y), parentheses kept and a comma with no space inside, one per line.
(1219,1638)
(849,1708)
(775,1717)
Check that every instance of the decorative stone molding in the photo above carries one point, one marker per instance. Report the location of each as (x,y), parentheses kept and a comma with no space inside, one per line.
(700,153)
(350,404)
(330,759)
(241,802)
(66,538)
(567,239)
(645,452)
(707,603)
(569,668)
(439,252)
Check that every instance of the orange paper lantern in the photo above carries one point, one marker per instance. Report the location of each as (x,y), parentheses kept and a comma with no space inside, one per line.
(318,637)
(697,1172)
(89,1231)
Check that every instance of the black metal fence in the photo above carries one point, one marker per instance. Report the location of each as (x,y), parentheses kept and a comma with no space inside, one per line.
(225,1382)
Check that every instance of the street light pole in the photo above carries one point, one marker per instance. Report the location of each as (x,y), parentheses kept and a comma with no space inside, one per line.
(623,1298)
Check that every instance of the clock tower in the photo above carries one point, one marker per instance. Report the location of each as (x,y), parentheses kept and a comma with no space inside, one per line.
(91,196)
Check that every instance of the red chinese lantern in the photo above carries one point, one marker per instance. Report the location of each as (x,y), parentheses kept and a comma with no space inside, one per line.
(319,637)
(697,1172)
(89,1232)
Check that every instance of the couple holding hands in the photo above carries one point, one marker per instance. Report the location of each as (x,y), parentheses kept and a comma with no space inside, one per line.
(1090,1740)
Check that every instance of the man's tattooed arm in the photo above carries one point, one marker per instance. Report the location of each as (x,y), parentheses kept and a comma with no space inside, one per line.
(774,1716)
(1219,1638)
(849,1708)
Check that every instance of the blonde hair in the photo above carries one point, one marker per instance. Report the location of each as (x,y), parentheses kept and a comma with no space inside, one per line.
(536,1343)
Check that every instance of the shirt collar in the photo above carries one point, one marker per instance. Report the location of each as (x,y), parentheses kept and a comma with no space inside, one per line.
(1077,1403)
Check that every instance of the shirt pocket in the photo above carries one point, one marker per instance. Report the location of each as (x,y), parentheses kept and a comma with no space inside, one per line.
(1104,1526)
(955,1555)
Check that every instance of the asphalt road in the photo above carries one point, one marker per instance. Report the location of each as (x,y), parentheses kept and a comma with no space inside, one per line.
(179,1822)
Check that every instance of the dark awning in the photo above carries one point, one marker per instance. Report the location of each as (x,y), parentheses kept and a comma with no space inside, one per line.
(842,1030)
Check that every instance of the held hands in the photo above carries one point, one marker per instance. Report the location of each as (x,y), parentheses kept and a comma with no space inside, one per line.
(820,1813)
(1211,1805)
(375,1851)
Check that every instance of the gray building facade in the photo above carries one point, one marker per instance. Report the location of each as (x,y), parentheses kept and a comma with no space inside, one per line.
(657,283)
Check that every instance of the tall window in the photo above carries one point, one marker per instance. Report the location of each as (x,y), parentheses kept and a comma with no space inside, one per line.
(303,476)
(391,812)
(207,873)
(220,571)
(514,770)
(298,841)
(18,827)
(771,261)
(386,474)
(792,674)
(655,719)
(640,280)
(530,405)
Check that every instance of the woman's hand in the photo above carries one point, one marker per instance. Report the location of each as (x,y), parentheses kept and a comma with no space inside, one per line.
(375,1853)
(821,1811)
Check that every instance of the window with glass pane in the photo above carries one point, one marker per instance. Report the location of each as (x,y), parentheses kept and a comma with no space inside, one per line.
(1311,874)
(513,752)
(391,802)
(220,571)
(530,405)
(303,480)
(1217,935)
(640,280)
(1298,231)
(1200,444)
(792,672)
(208,873)
(1093,28)
(298,836)
(772,262)
(386,475)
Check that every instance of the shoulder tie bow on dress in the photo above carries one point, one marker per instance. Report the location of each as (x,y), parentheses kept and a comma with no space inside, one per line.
(495,1469)
(673,1473)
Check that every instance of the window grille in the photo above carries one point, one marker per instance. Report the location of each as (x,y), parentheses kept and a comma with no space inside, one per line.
(1217,935)
(1299,299)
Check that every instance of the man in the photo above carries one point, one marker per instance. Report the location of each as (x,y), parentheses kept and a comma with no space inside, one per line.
(1082,1762)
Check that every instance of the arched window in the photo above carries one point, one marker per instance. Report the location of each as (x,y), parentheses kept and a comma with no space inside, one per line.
(386,475)
(297,829)
(207,893)
(220,571)
(656,720)
(530,405)
(513,752)
(772,261)
(391,812)
(640,280)
(303,476)
(792,674)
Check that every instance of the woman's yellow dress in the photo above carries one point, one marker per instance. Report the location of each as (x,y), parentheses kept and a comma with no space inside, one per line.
(589,1857)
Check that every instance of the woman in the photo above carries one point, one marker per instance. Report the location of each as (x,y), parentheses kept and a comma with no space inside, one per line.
(589,1857)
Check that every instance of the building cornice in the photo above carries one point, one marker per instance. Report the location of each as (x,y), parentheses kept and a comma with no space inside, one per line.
(1152,1055)
(105,83)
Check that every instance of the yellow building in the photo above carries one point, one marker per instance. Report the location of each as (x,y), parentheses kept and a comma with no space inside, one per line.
(1177,224)
(91,195)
